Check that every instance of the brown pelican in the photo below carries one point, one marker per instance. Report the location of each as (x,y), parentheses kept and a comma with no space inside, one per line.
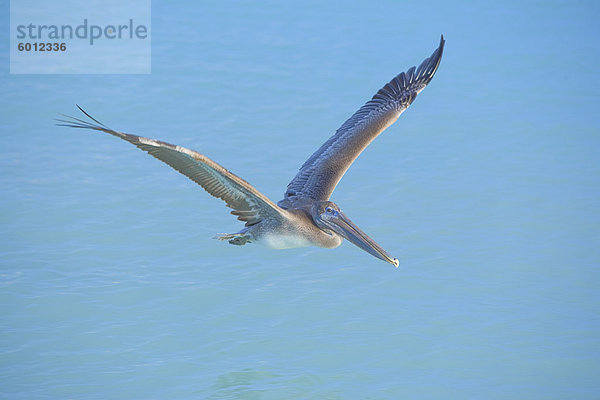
(305,216)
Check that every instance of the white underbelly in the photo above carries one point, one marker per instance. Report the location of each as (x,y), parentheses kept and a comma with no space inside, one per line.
(284,241)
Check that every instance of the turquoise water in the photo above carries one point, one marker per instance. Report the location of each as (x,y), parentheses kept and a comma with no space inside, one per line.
(486,189)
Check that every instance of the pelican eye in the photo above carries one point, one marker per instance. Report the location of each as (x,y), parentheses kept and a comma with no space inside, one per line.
(328,210)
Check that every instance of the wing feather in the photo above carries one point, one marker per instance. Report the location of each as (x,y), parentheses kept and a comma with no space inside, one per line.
(319,175)
(248,204)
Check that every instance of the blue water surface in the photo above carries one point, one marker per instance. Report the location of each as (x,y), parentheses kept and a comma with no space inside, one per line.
(487,189)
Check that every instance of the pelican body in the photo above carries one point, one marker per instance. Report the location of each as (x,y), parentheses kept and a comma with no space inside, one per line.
(305,216)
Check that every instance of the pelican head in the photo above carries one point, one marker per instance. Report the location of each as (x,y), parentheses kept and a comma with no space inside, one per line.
(328,217)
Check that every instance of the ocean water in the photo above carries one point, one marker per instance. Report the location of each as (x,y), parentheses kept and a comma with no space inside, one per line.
(487,189)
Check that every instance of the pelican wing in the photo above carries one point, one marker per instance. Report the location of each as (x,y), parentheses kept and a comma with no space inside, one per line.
(320,174)
(249,204)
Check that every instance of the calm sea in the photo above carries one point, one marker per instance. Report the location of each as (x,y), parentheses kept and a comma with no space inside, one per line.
(487,189)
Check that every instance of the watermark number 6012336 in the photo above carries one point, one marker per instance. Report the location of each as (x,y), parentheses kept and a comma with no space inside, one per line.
(35,46)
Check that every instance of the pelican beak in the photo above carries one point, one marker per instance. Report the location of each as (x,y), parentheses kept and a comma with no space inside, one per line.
(343,226)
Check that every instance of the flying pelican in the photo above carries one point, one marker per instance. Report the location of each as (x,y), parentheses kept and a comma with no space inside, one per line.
(305,216)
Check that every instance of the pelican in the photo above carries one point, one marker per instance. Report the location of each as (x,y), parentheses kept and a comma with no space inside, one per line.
(305,216)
